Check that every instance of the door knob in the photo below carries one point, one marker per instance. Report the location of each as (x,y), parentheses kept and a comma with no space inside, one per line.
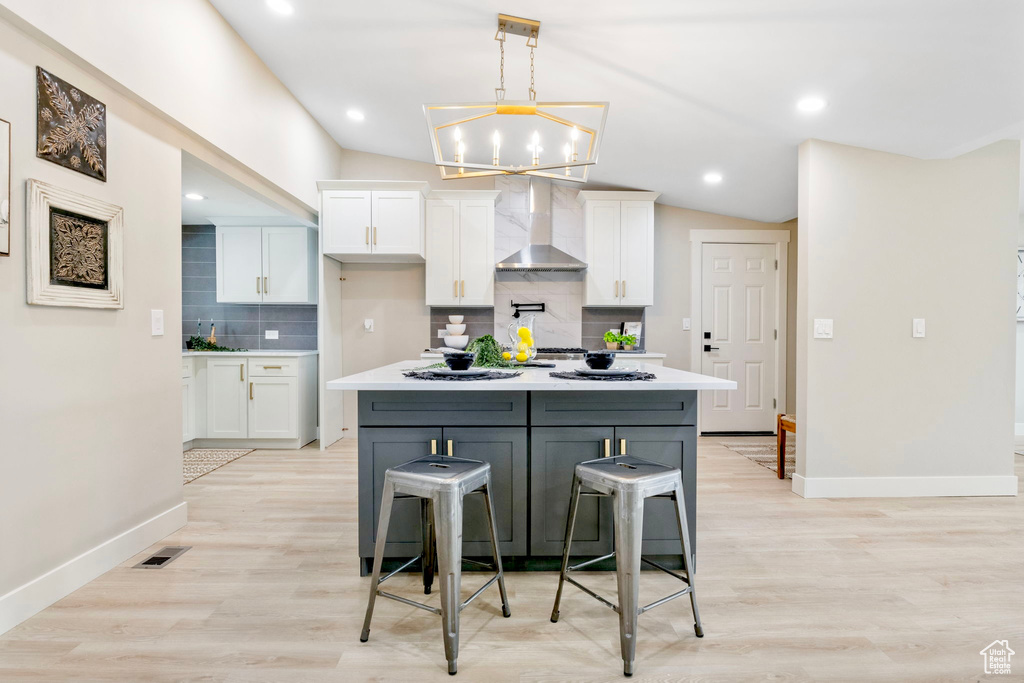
(709,347)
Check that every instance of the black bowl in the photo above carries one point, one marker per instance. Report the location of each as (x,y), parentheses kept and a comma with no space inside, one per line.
(459,361)
(599,360)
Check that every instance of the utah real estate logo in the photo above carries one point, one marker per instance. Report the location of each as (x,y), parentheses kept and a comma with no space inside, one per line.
(997,657)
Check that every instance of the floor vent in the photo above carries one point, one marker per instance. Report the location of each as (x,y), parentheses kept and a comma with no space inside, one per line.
(162,557)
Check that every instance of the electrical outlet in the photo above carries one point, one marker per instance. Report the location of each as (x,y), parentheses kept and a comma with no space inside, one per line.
(368,325)
(271,334)
(686,323)
(442,333)
(156,322)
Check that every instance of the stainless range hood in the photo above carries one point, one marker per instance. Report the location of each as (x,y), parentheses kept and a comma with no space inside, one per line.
(539,255)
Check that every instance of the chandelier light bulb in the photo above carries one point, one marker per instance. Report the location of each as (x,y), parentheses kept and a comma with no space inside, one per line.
(568,152)
(497,146)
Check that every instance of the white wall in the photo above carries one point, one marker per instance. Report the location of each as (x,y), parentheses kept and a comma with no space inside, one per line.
(884,239)
(90,402)
(184,60)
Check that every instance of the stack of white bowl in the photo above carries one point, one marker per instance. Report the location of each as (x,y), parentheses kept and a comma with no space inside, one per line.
(457,337)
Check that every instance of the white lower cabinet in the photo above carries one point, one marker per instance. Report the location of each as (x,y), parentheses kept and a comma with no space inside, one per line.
(239,400)
(227,407)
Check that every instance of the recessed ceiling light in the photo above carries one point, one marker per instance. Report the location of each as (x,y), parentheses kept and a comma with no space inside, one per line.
(712,178)
(811,105)
(355,115)
(194,196)
(281,7)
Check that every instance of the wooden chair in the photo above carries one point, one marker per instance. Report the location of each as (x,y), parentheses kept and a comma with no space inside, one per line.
(785,423)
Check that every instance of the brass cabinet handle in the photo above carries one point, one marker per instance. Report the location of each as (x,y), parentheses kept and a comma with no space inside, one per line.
(271,367)
(367,234)
(455,289)
(623,289)
(375,234)
(622,446)
(451,448)
(257,284)
(616,289)
(266,290)
(463,288)
(241,372)
(607,447)
(433,446)
(250,391)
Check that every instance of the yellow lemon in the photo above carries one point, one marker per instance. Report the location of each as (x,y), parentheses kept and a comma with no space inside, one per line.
(521,357)
(524,333)
(507,355)
(522,347)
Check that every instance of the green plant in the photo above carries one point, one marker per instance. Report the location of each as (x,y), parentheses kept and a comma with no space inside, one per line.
(627,339)
(612,337)
(488,352)
(200,344)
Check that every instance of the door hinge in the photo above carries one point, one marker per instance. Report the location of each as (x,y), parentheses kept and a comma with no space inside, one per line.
(773,404)
(776,334)
(776,264)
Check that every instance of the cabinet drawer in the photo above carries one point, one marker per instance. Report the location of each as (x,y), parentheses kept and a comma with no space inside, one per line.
(273,367)
(626,408)
(442,408)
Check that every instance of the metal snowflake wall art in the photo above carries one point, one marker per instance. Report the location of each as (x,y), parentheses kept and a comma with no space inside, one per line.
(71,126)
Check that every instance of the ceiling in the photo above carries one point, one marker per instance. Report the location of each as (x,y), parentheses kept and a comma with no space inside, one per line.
(225,202)
(694,85)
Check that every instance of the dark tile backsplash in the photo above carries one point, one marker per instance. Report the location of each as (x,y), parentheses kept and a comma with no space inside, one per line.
(239,326)
(478,321)
(597,321)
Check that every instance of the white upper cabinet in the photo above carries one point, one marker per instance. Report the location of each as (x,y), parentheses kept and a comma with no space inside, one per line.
(266,265)
(374,221)
(460,248)
(620,248)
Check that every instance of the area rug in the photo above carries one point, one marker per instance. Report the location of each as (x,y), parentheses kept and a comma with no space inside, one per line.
(764,451)
(200,461)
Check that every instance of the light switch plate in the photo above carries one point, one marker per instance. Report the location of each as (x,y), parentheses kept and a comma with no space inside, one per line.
(918,327)
(686,323)
(823,328)
(270,334)
(156,322)
(368,324)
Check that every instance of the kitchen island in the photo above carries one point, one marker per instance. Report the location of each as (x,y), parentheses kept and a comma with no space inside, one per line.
(532,429)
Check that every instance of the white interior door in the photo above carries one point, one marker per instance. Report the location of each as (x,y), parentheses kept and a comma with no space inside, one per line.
(346,221)
(738,311)
(285,265)
(476,252)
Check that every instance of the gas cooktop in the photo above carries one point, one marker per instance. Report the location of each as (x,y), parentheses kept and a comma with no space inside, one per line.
(558,349)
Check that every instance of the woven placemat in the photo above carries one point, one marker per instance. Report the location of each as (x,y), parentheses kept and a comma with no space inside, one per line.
(635,377)
(426,374)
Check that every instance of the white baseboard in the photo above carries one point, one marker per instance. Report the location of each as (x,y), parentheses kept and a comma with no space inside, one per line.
(39,593)
(903,487)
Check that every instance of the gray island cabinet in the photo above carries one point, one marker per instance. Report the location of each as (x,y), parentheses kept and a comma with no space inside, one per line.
(532,429)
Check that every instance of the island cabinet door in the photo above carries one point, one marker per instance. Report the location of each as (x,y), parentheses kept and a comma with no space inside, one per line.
(505,449)
(379,449)
(676,447)
(554,452)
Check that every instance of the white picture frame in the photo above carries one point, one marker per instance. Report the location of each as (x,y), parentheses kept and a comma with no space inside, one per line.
(42,197)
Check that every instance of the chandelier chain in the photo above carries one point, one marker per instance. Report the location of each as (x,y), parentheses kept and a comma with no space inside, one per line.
(533,90)
(500,91)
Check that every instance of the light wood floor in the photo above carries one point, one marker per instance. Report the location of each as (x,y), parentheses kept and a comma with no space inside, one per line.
(881,589)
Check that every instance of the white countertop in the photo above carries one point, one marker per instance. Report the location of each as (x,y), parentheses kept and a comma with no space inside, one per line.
(261,354)
(624,355)
(390,378)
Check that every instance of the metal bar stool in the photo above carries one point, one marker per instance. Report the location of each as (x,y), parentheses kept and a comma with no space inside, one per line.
(442,482)
(628,481)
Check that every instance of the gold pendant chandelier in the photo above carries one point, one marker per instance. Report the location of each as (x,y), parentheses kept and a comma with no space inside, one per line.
(511,134)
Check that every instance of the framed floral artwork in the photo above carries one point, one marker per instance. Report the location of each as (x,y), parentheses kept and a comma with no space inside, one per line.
(71,126)
(5,188)
(75,252)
